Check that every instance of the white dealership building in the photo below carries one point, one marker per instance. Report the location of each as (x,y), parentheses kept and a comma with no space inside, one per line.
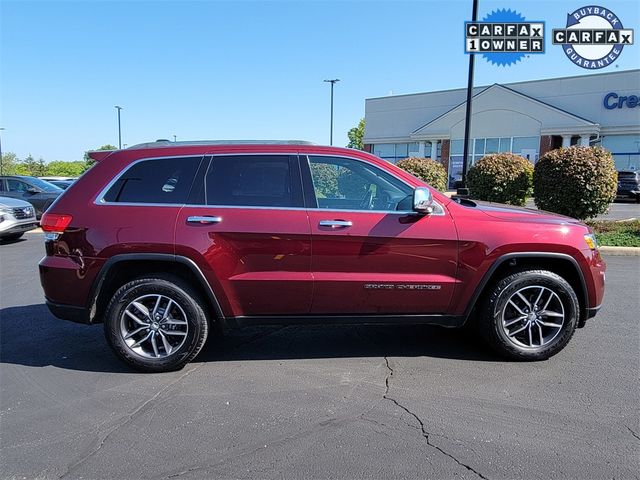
(527,118)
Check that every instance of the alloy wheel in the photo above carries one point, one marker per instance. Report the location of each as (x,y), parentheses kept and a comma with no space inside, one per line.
(533,317)
(154,326)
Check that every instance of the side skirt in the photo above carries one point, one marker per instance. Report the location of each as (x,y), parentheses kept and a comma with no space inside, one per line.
(449,321)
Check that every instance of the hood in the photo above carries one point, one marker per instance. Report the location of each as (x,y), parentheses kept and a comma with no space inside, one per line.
(13,202)
(523,214)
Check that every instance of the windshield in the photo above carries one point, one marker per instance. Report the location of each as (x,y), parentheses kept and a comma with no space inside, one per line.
(44,186)
(626,175)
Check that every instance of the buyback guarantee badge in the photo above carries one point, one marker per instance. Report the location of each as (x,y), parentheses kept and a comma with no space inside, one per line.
(593,37)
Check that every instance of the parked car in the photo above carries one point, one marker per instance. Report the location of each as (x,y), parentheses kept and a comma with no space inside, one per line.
(164,241)
(39,193)
(16,218)
(629,185)
(63,184)
(56,179)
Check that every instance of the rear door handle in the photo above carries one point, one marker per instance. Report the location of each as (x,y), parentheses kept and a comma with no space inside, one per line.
(203,220)
(336,223)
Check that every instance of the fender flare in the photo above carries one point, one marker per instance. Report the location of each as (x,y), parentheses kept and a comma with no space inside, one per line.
(96,288)
(514,256)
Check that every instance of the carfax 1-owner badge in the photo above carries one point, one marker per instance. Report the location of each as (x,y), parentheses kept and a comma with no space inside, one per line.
(593,37)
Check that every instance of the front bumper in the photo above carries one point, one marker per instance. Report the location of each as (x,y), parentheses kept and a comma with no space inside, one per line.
(11,227)
(592,312)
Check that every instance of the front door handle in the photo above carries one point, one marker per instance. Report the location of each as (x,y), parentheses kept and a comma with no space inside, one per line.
(336,223)
(203,220)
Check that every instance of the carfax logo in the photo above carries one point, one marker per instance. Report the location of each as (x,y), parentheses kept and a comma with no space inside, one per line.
(504,37)
(593,38)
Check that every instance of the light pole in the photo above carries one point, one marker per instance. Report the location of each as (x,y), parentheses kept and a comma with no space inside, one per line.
(119,129)
(332,82)
(1,162)
(467,120)
(174,139)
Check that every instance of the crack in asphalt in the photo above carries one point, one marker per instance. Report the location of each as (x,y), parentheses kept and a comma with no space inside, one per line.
(633,433)
(123,422)
(423,429)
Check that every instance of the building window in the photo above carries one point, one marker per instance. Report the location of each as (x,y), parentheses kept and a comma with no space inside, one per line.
(525,143)
(625,150)
(505,144)
(393,152)
(479,147)
(493,145)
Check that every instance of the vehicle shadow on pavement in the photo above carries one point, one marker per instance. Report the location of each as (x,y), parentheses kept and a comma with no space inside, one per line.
(6,241)
(31,336)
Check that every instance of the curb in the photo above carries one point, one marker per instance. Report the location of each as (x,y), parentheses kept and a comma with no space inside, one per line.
(620,251)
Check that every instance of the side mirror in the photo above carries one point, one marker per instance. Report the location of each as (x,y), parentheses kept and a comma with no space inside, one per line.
(422,201)
(32,190)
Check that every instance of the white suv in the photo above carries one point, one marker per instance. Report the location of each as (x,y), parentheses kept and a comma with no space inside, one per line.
(16,217)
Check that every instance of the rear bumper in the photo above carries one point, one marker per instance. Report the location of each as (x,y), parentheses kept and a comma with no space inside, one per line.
(72,313)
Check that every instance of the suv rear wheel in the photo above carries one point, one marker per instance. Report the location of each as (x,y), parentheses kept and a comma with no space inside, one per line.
(156,323)
(530,315)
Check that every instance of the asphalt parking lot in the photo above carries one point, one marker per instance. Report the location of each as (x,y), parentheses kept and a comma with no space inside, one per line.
(312,402)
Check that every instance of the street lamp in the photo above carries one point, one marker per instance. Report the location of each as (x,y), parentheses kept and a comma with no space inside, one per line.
(332,82)
(1,162)
(467,119)
(119,129)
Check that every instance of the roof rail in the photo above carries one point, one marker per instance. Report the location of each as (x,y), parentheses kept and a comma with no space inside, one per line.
(168,143)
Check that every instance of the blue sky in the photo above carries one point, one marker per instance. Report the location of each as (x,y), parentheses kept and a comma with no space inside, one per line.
(241,69)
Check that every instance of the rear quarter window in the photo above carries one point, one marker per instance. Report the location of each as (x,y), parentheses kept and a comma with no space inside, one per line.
(165,181)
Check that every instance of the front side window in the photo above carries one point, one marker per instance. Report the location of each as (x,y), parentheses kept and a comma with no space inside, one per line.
(164,180)
(253,180)
(16,186)
(348,184)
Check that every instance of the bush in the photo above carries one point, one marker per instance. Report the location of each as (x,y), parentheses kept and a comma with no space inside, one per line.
(579,182)
(426,169)
(502,178)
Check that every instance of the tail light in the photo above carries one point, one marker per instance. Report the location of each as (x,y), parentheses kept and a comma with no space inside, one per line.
(55,223)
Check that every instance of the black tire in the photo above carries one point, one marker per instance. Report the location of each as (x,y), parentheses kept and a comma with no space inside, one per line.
(497,307)
(187,303)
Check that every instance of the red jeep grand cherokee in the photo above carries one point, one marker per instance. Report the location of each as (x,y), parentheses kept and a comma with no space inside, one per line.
(163,240)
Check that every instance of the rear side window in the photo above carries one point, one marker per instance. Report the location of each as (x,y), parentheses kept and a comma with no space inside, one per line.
(253,180)
(165,180)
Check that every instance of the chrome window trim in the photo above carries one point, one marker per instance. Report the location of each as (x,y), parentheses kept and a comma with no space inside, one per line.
(100,197)
(99,200)
(440,208)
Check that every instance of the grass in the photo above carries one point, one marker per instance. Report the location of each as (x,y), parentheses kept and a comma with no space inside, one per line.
(617,233)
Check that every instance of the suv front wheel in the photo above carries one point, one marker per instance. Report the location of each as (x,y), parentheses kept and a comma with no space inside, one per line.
(530,315)
(156,323)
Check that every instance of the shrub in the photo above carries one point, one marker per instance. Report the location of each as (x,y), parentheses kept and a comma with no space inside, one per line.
(426,169)
(502,178)
(579,182)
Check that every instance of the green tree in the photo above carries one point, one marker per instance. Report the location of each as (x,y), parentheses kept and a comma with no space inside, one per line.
(61,168)
(89,162)
(31,166)
(356,136)
(10,162)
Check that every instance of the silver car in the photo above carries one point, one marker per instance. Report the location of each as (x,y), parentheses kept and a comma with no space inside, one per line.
(16,218)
